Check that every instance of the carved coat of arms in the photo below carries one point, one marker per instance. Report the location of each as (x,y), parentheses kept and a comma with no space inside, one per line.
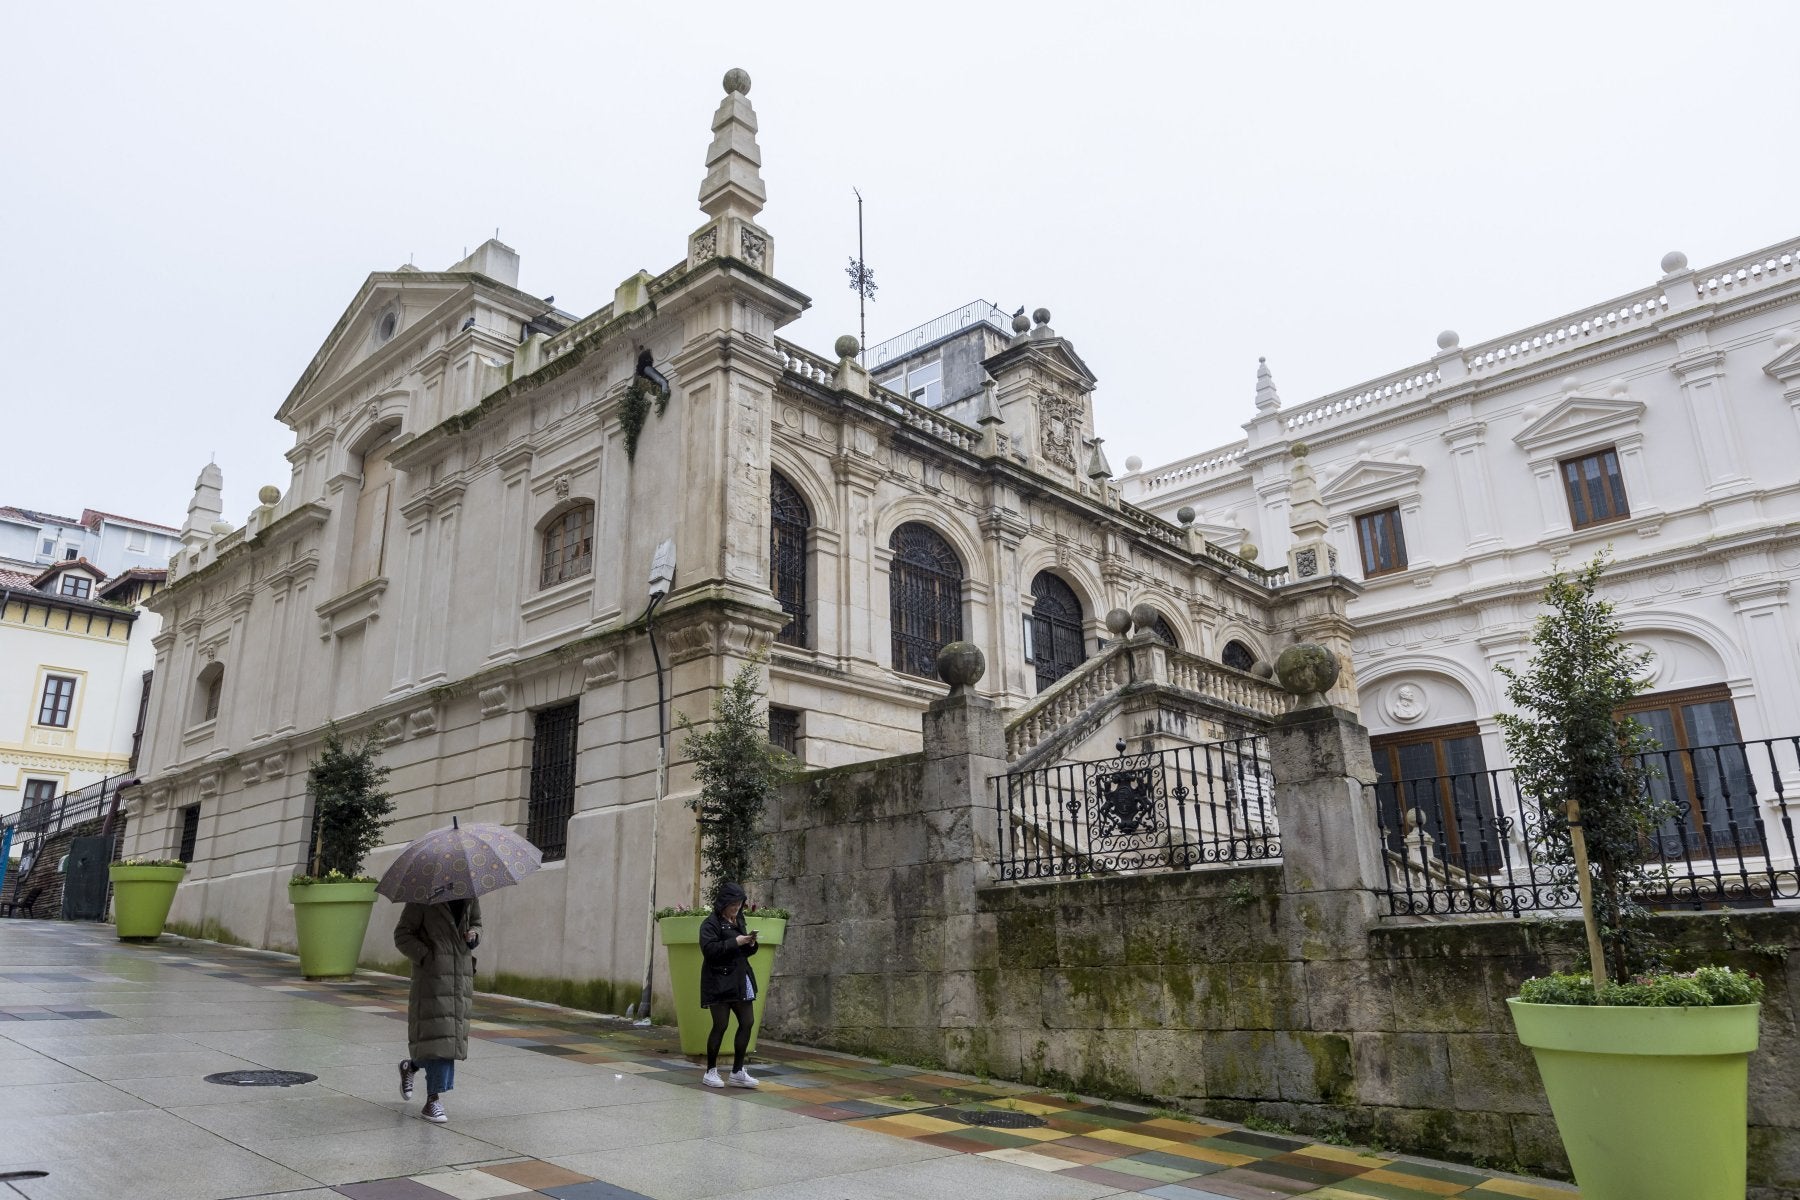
(1058,427)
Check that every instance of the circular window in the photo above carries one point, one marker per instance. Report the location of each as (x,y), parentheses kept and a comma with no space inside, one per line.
(385,328)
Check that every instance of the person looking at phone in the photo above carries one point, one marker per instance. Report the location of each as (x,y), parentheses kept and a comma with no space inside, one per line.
(727,985)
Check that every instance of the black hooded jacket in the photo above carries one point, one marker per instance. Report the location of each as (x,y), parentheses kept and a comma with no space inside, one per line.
(727,964)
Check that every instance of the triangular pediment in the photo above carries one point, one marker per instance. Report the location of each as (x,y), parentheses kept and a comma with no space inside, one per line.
(1369,478)
(405,297)
(1786,365)
(1576,418)
(1054,354)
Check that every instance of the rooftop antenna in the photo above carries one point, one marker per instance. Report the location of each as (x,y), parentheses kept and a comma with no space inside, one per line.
(862,280)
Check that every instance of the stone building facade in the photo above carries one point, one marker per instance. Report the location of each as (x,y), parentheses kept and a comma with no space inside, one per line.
(482,489)
(1664,424)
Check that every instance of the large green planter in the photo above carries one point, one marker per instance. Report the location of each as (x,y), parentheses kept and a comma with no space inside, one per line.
(329,921)
(681,935)
(1651,1102)
(141,899)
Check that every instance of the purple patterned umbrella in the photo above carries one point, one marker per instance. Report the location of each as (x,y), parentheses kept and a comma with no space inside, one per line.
(457,863)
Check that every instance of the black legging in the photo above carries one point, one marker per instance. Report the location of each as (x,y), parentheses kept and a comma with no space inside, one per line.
(722,1013)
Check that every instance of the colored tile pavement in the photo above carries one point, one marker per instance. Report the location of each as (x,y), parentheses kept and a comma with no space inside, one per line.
(1107,1148)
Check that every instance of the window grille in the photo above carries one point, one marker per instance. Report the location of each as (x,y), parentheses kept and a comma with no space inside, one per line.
(788,525)
(1237,656)
(190,832)
(552,778)
(1056,637)
(1596,489)
(568,546)
(924,598)
(784,729)
(1383,543)
(58,701)
(1164,632)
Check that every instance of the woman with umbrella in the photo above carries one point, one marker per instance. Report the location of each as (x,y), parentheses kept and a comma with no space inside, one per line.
(438,878)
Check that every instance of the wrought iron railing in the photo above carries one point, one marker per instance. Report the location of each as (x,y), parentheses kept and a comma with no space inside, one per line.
(1471,843)
(1165,810)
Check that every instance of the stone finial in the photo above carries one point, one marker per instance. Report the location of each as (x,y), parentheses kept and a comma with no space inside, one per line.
(989,412)
(1041,316)
(1268,400)
(207,506)
(1097,466)
(1674,261)
(1186,514)
(1143,618)
(1133,464)
(733,185)
(1307,670)
(270,494)
(222,527)
(1449,340)
(961,665)
(1118,622)
(847,346)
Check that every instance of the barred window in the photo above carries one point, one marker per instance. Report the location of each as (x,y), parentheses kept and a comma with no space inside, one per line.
(1164,632)
(1237,656)
(789,522)
(58,701)
(924,598)
(552,778)
(1596,489)
(190,832)
(1057,642)
(568,546)
(784,729)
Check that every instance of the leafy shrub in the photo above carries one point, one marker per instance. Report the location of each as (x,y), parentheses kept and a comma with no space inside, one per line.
(1705,988)
(350,809)
(737,770)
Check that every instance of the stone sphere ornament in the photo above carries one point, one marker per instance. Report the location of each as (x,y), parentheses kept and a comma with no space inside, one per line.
(1449,340)
(1307,670)
(961,665)
(1041,315)
(847,346)
(222,527)
(270,494)
(1186,514)
(1673,261)
(1144,618)
(737,80)
(1118,622)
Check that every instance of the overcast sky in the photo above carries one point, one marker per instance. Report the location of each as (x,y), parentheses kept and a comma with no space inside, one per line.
(193,193)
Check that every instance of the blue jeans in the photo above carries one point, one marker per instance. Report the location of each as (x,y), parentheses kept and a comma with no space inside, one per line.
(440,1075)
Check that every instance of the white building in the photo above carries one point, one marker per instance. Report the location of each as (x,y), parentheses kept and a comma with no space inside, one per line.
(114,544)
(460,562)
(1664,423)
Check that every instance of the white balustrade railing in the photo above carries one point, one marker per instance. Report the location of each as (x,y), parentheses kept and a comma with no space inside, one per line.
(1569,332)
(1405,385)
(1747,273)
(1194,468)
(1058,705)
(1216,681)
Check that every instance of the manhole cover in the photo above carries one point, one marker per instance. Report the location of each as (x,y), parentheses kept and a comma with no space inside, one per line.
(261,1078)
(996,1119)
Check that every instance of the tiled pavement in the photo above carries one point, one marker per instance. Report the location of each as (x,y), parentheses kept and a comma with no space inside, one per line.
(1091,1149)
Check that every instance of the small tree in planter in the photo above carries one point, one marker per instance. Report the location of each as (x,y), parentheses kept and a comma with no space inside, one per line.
(1646,1074)
(738,772)
(350,813)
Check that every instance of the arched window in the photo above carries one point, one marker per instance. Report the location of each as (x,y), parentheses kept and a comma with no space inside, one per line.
(924,598)
(1238,656)
(1164,632)
(788,522)
(568,546)
(1057,645)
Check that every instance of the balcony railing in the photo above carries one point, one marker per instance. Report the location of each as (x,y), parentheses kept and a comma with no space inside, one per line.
(1473,843)
(1170,810)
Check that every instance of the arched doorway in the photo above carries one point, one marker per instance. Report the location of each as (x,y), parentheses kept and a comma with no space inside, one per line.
(1057,643)
(924,598)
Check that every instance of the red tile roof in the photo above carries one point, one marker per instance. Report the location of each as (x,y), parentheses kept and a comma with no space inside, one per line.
(15,579)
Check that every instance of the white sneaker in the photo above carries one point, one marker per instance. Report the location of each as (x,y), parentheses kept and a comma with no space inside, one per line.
(434,1112)
(742,1079)
(711,1079)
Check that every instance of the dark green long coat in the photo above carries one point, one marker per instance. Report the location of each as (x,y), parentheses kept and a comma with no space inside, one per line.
(442,996)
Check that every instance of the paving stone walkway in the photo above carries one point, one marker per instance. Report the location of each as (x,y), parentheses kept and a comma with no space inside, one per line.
(95,1035)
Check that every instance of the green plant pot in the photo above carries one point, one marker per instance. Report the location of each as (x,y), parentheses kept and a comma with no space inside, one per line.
(330,920)
(141,899)
(681,936)
(1650,1102)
